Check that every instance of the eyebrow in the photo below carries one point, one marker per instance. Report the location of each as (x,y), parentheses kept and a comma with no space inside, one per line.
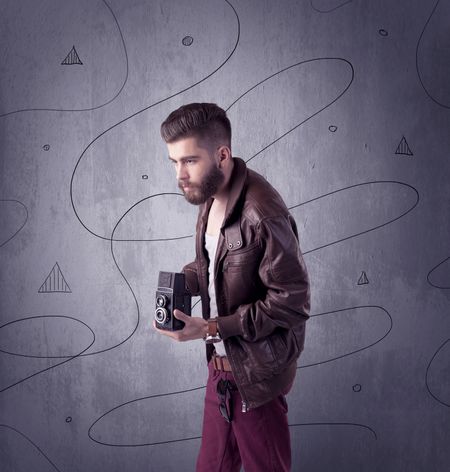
(184,158)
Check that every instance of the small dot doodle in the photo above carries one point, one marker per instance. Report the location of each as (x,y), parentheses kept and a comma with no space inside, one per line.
(46,147)
(383,32)
(357,388)
(332,128)
(145,177)
(69,419)
(187,40)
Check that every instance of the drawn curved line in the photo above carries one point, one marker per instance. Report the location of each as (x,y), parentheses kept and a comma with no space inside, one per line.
(59,363)
(99,106)
(370,229)
(84,353)
(141,111)
(24,223)
(314,114)
(32,443)
(90,434)
(417,60)
(37,317)
(356,350)
(338,424)
(158,443)
(332,9)
(432,270)
(146,240)
(112,240)
(427,372)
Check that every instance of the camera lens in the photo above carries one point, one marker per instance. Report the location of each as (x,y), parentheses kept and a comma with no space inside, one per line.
(161,300)
(161,315)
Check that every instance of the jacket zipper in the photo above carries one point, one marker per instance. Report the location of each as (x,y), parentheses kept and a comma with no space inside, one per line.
(244,404)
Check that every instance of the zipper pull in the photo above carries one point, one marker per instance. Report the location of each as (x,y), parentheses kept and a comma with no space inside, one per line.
(244,407)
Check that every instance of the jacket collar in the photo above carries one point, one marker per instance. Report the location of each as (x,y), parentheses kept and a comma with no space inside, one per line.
(237,182)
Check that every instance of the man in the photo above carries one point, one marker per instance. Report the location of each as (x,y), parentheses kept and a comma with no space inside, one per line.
(254,290)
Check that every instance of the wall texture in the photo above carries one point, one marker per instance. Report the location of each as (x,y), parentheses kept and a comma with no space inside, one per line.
(343,105)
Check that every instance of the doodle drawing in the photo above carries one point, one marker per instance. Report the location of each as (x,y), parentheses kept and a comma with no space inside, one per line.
(403,148)
(55,282)
(363,280)
(72,58)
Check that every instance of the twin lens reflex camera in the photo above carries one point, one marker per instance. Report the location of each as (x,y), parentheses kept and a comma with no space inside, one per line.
(170,295)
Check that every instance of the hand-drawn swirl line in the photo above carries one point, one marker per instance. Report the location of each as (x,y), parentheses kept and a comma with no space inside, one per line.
(314,114)
(24,223)
(338,424)
(128,240)
(99,106)
(84,353)
(427,372)
(31,356)
(158,395)
(145,109)
(68,359)
(32,443)
(328,11)
(432,270)
(170,441)
(112,240)
(356,350)
(370,229)
(417,60)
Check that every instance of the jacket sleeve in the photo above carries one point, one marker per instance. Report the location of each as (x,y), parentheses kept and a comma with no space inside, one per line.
(191,278)
(286,302)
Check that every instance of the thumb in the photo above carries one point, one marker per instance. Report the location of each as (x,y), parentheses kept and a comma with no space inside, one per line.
(180,315)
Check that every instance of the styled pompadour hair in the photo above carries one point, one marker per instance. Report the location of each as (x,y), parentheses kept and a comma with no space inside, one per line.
(205,121)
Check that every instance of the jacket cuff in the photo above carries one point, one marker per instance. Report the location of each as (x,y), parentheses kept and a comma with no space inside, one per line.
(229,326)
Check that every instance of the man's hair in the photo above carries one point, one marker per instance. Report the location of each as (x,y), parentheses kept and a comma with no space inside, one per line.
(205,121)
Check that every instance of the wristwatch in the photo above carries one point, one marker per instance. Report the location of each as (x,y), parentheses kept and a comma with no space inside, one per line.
(212,335)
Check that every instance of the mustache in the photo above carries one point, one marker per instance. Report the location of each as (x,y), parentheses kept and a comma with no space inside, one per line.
(186,184)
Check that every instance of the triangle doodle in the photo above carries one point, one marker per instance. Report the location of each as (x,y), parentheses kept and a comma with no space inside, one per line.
(55,282)
(363,280)
(72,58)
(403,148)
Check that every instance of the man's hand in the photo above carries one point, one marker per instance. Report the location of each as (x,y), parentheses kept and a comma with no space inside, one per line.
(194,328)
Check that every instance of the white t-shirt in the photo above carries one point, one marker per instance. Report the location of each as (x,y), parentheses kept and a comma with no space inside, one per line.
(211,249)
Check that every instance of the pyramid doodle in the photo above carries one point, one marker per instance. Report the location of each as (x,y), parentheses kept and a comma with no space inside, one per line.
(55,282)
(403,148)
(363,280)
(72,58)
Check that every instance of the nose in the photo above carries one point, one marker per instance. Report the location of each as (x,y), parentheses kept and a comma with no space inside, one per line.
(181,173)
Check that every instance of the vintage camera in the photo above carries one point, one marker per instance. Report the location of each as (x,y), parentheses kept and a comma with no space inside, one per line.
(171,295)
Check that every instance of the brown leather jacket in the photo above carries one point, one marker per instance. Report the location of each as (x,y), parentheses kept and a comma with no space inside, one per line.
(262,287)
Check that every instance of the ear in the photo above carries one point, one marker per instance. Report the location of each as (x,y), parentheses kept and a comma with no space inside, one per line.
(224,153)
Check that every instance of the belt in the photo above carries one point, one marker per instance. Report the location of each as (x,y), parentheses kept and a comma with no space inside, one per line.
(221,363)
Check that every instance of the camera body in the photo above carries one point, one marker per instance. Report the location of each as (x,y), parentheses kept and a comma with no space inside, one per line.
(171,295)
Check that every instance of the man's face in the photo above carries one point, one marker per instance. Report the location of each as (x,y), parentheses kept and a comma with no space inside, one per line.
(198,173)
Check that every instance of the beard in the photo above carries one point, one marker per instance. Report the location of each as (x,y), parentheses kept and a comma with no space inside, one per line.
(198,194)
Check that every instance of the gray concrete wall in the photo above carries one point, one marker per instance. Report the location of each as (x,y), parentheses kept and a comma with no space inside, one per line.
(342,105)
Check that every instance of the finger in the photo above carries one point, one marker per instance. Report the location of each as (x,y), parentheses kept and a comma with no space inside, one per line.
(170,334)
(180,315)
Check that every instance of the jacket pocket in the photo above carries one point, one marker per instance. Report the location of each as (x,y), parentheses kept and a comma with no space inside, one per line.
(241,278)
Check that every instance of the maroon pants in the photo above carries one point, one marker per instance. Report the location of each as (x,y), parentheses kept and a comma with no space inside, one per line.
(258,439)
